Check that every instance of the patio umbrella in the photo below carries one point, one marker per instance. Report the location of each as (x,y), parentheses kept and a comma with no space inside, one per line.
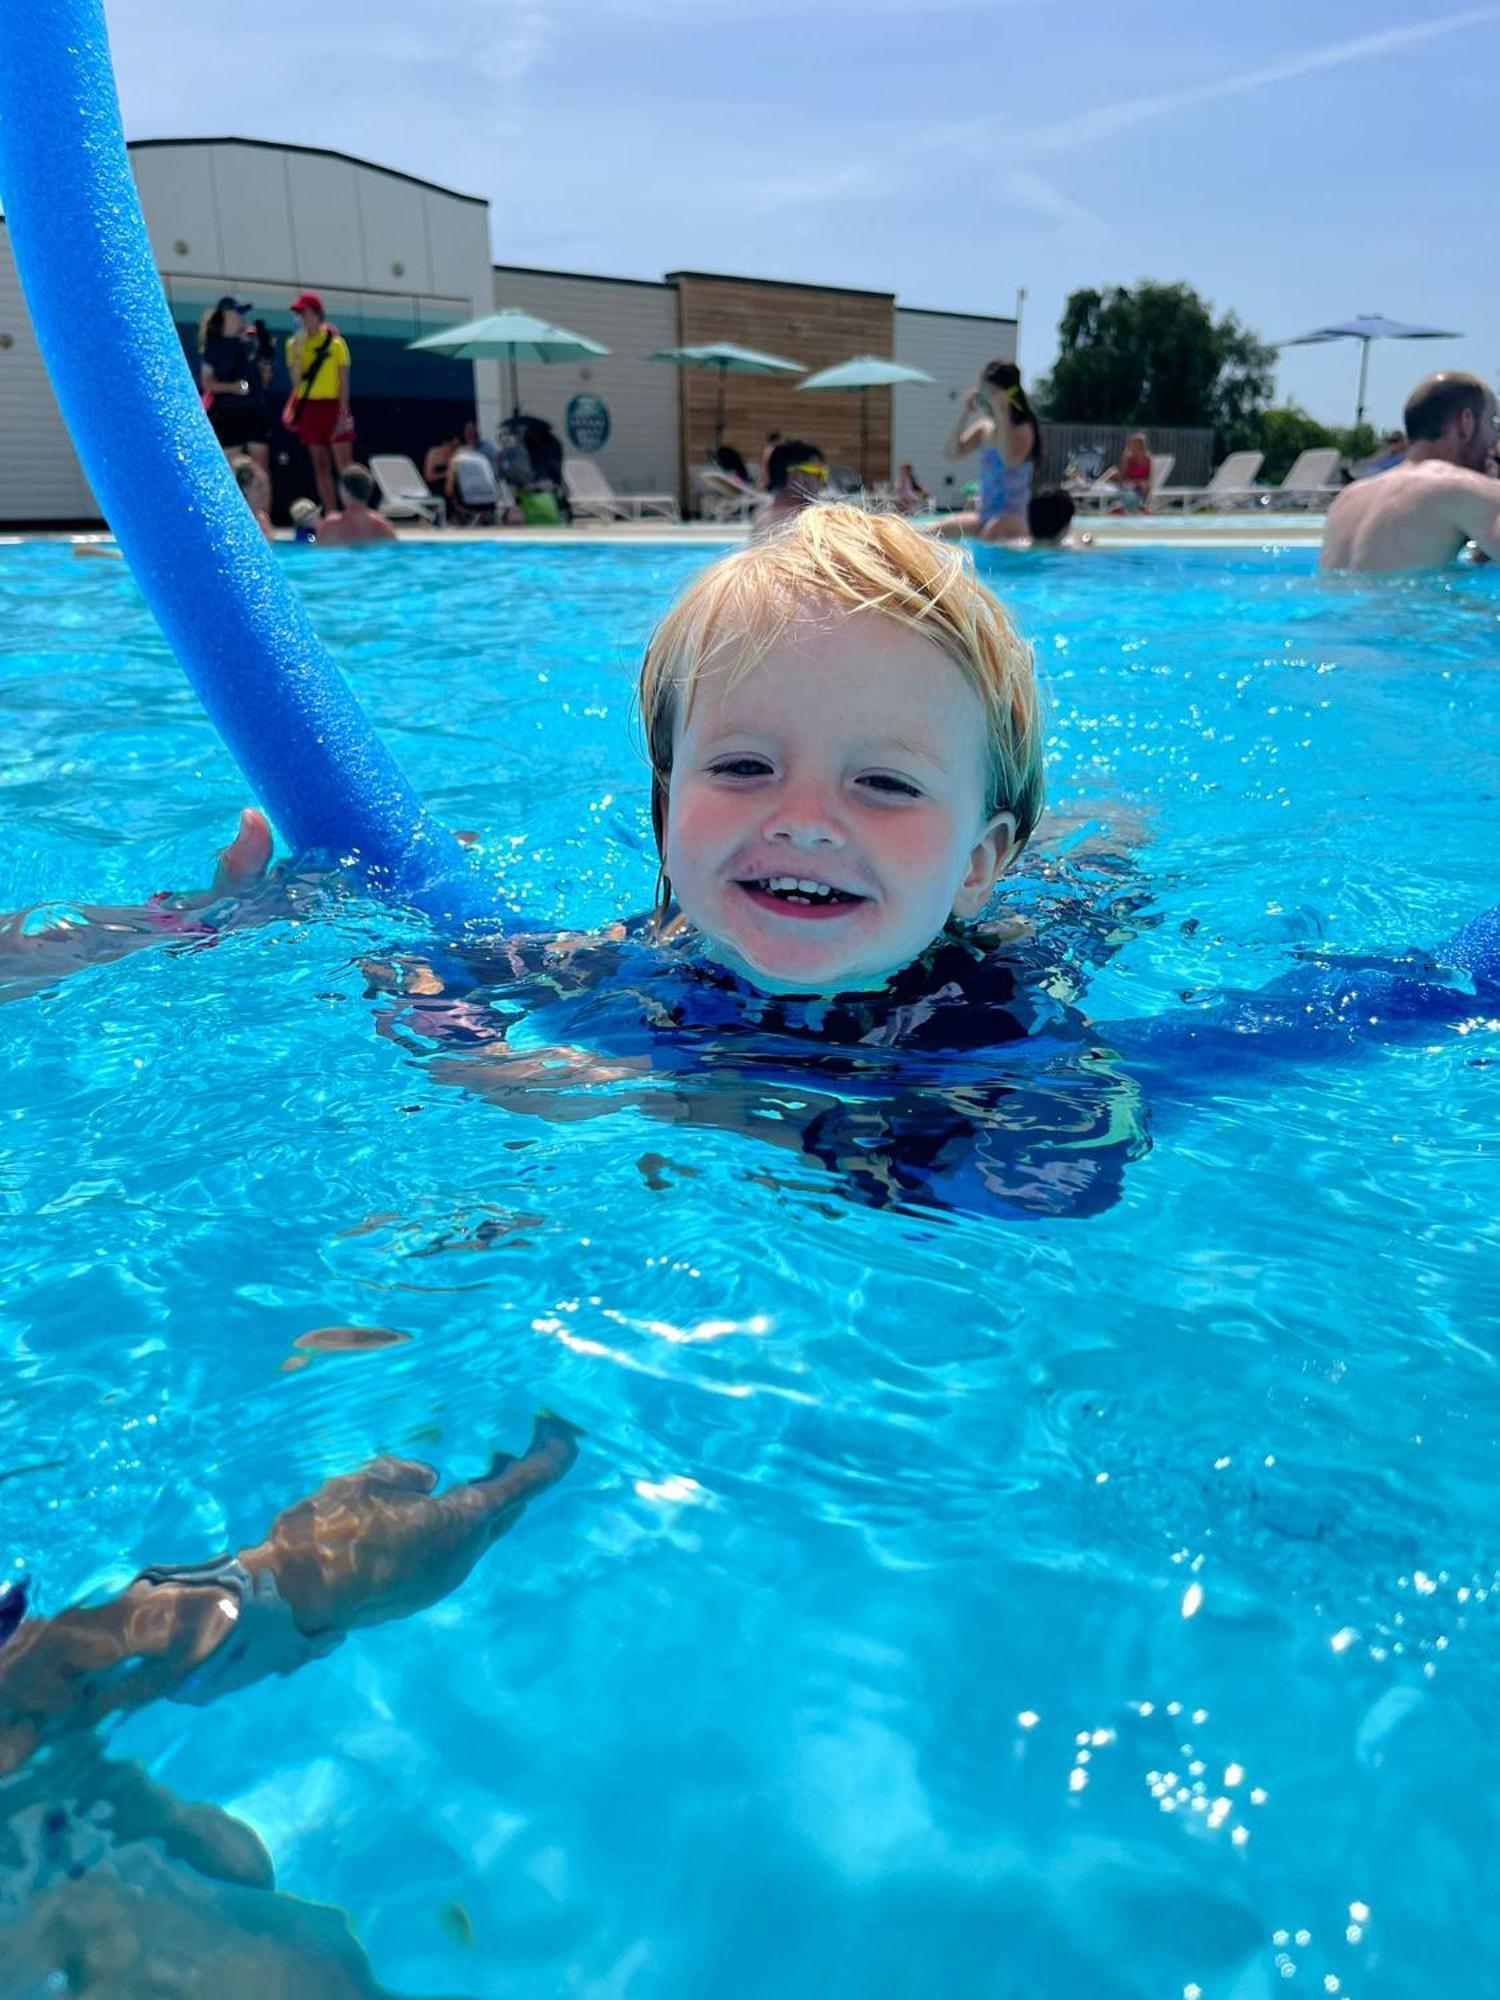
(1365,328)
(729,360)
(865,372)
(509,336)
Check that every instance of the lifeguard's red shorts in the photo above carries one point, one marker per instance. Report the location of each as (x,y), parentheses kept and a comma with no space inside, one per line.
(318,422)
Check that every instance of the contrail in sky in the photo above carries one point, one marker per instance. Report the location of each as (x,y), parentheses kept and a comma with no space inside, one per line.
(1108,119)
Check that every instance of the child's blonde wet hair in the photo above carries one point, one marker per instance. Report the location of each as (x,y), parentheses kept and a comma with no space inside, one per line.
(841,558)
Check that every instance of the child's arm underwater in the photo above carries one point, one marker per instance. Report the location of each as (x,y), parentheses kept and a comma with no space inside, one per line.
(1318,1009)
(366,1547)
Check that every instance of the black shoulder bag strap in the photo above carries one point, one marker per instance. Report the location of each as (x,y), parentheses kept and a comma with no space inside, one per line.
(310,375)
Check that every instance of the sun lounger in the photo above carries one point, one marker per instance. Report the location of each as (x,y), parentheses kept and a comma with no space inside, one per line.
(722,497)
(1232,478)
(591,496)
(403,492)
(1091,499)
(1310,481)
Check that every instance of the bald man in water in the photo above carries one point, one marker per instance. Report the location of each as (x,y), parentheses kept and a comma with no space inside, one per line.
(1420,514)
(356,524)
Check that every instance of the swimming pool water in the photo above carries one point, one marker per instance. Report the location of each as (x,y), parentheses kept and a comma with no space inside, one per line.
(941,1603)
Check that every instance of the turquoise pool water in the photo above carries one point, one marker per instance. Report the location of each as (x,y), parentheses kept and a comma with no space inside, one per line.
(943,1602)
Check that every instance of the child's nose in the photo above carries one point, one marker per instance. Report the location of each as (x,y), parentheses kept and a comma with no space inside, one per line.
(805,818)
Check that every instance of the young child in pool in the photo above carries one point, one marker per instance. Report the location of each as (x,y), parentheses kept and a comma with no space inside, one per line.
(845,746)
(844,736)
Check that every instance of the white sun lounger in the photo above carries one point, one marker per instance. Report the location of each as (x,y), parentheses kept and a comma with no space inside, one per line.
(1310,481)
(722,497)
(403,492)
(592,497)
(1235,476)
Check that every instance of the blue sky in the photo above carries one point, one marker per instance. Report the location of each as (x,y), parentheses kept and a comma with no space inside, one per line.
(1296,163)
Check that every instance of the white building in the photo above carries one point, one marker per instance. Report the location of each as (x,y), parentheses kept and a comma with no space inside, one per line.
(394,257)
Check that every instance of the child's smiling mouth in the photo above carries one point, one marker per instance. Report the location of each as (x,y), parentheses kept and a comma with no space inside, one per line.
(799,896)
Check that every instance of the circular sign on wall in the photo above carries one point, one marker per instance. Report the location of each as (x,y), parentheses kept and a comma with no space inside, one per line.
(588,423)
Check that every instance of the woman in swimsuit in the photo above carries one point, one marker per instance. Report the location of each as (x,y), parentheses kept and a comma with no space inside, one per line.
(998,422)
(1132,472)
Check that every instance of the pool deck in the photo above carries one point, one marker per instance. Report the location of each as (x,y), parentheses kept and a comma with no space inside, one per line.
(1243,531)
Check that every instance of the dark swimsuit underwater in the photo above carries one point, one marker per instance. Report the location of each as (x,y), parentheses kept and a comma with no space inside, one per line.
(972,1083)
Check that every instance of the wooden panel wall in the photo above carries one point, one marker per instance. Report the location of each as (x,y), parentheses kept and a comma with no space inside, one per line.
(809,323)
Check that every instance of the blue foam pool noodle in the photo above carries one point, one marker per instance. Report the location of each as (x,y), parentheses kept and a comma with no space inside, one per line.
(308,750)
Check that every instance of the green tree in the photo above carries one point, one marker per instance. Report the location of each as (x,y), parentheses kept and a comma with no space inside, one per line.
(1357,441)
(1156,355)
(1281,433)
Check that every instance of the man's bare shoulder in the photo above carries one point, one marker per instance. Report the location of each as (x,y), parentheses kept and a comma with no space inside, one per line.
(1412,517)
(1406,488)
(346,529)
(1439,476)
(1435,490)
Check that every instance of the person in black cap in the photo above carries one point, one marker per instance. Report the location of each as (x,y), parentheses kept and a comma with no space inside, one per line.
(232,377)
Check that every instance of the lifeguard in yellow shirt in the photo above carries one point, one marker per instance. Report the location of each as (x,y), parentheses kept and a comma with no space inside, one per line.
(317,411)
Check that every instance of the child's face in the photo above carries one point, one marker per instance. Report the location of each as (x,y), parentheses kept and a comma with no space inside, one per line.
(853,760)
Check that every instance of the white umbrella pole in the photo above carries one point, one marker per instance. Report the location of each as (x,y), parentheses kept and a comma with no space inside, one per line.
(1364,363)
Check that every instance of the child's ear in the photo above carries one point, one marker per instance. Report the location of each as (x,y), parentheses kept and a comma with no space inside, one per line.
(987,863)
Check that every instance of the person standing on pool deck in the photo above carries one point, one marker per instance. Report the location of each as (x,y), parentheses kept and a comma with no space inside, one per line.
(1419,514)
(317,411)
(232,379)
(998,422)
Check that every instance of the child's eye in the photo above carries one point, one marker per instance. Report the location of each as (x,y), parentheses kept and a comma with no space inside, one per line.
(740,767)
(893,787)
